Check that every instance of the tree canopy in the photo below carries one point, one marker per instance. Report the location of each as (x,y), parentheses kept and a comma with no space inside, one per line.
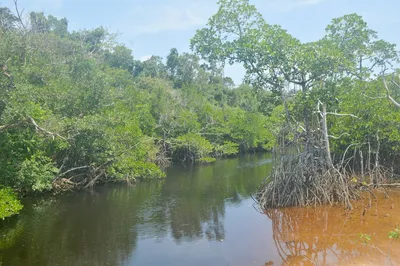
(349,59)
(77,108)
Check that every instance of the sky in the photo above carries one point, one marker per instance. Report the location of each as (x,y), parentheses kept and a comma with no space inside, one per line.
(153,27)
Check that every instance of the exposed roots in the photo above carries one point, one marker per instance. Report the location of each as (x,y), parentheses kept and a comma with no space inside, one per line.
(295,185)
(304,174)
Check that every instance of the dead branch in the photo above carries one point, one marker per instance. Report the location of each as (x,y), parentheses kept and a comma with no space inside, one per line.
(337,114)
(19,14)
(325,135)
(341,135)
(93,181)
(10,126)
(388,93)
(33,122)
(53,135)
(70,170)
(386,185)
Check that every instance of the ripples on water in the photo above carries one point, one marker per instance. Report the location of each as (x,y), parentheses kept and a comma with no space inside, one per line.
(201,215)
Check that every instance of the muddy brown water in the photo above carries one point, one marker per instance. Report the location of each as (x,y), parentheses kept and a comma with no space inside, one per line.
(202,215)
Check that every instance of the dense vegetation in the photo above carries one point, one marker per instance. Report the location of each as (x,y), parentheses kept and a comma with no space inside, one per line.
(338,93)
(76,109)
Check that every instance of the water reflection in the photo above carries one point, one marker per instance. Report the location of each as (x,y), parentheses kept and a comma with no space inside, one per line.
(199,215)
(331,235)
(106,227)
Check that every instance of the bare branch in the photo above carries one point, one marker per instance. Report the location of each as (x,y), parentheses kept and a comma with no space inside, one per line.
(373,98)
(19,14)
(9,126)
(341,135)
(330,113)
(53,135)
(71,170)
(33,122)
(388,93)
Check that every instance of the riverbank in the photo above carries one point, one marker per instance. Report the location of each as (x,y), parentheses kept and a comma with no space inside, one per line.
(198,215)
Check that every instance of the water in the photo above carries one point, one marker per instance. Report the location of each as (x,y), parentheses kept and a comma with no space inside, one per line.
(197,216)
(202,215)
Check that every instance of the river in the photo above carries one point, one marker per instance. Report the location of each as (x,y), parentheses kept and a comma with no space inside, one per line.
(198,215)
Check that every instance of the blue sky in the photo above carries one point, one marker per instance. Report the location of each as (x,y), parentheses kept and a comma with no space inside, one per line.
(153,27)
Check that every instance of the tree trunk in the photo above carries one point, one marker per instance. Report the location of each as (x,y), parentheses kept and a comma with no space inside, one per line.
(309,148)
(326,136)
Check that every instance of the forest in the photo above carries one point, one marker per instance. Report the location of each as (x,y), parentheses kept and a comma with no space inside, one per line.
(340,126)
(77,109)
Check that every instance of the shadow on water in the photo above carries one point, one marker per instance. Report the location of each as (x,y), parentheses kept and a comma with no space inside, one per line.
(198,215)
(106,226)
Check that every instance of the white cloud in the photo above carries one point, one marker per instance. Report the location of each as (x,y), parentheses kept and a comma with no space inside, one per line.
(169,18)
(175,16)
(187,14)
(154,17)
(145,58)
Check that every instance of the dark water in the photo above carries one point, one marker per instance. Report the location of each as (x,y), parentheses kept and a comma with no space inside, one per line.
(200,215)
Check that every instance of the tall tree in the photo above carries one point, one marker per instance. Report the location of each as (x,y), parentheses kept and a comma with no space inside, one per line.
(120,57)
(7,19)
(360,45)
(172,63)
(237,33)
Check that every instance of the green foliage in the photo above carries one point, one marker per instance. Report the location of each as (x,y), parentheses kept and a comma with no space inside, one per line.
(7,19)
(120,57)
(9,204)
(77,107)
(365,238)
(227,148)
(206,160)
(130,169)
(247,129)
(395,234)
(360,45)
(376,125)
(98,110)
(192,147)
(338,70)
(36,173)
(152,67)
(274,124)
(237,33)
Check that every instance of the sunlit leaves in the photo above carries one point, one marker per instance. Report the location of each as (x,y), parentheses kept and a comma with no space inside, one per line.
(360,45)
(9,204)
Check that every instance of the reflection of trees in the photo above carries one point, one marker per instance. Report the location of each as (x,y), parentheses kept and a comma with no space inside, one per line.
(102,228)
(320,236)
(10,231)
(197,196)
(95,229)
